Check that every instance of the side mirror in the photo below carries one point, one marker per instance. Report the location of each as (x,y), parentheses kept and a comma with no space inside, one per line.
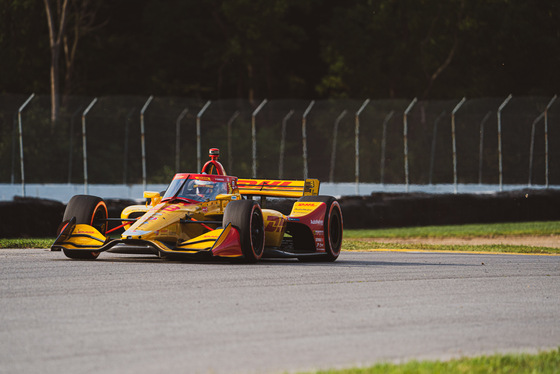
(223,196)
(154,197)
(226,196)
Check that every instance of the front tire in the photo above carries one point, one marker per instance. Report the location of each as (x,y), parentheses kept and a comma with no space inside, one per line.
(333,228)
(246,216)
(88,210)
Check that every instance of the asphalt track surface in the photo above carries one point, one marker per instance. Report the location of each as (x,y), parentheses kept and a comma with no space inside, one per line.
(134,314)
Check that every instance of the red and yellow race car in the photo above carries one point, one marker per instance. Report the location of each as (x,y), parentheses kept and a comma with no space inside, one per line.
(210,215)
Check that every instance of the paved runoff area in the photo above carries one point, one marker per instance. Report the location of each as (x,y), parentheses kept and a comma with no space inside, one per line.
(140,314)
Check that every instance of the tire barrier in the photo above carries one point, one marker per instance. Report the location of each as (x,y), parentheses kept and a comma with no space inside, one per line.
(32,217)
(418,209)
(26,217)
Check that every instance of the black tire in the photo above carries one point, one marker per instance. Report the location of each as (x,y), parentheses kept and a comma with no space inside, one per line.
(333,228)
(89,210)
(246,216)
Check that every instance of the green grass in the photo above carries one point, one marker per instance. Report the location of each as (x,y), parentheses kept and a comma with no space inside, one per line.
(26,243)
(357,239)
(543,362)
(357,245)
(471,230)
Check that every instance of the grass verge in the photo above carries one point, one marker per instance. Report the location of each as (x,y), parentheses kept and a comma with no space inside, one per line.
(466,231)
(543,362)
(357,239)
(26,243)
(362,245)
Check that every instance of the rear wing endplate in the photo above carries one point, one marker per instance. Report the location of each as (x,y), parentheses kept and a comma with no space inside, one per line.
(278,188)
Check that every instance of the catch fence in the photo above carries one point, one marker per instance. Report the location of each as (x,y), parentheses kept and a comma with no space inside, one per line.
(140,140)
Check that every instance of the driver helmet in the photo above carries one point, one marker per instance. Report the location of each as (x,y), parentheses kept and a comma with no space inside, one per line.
(204,188)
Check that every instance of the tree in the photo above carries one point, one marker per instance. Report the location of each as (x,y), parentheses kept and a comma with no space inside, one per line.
(215,49)
(256,36)
(390,48)
(67,23)
(25,55)
(57,24)
(81,21)
(452,24)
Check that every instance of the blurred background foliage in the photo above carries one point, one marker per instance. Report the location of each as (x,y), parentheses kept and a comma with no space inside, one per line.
(216,49)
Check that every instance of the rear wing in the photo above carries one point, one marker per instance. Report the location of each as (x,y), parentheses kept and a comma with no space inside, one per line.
(278,188)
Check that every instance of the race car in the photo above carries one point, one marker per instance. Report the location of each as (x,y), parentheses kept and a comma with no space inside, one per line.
(209,215)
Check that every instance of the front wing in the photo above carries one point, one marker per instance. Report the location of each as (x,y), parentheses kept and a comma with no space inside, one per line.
(223,242)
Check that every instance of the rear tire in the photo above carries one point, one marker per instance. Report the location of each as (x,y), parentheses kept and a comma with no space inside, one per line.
(88,210)
(333,228)
(246,216)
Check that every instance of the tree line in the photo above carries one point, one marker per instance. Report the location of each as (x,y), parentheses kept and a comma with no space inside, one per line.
(215,49)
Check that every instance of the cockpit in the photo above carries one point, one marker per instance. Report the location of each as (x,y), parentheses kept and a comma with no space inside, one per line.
(195,189)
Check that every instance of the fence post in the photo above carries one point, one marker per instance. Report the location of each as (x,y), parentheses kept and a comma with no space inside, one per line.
(21,108)
(546,137)
(198,145)
(178,138)
(143,140)
(405,140)
(500,140)
(230,147)
(84,143)
(254,136)
(333,151)
(481,146)
(283,144)
(304,137)
(357,146)
(454,140)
